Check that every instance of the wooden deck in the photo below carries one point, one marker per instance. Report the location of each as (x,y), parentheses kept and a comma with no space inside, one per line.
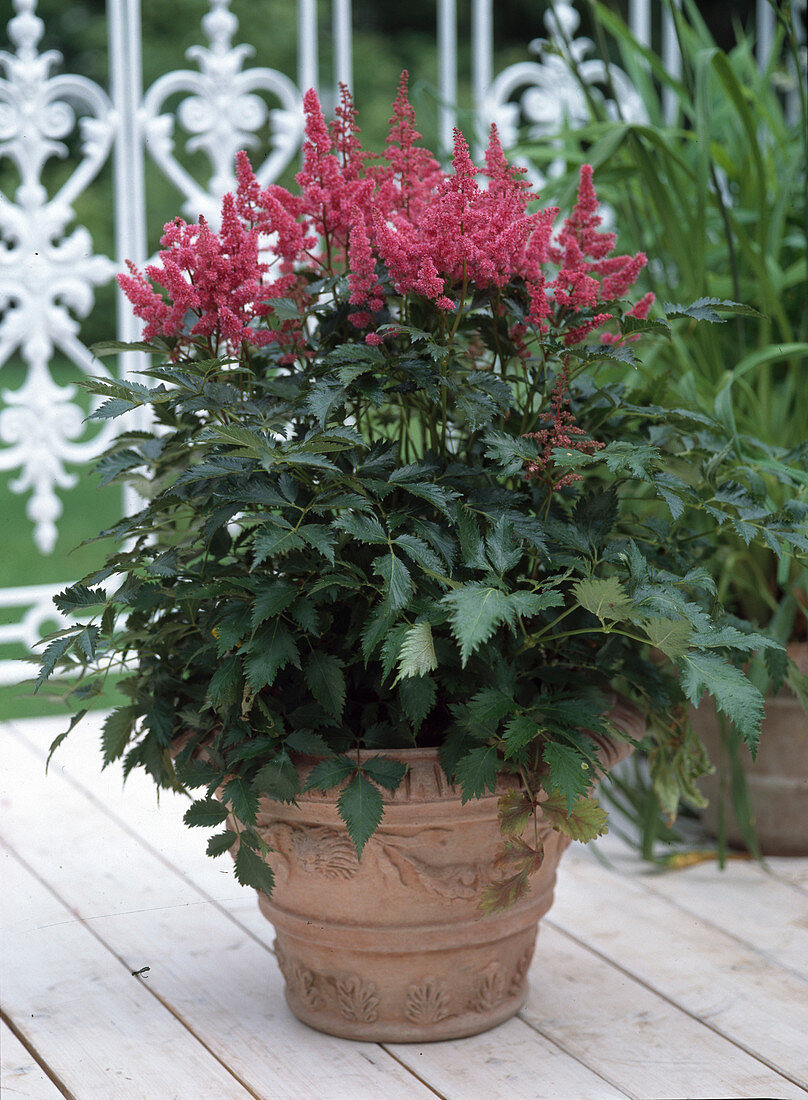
(135,968)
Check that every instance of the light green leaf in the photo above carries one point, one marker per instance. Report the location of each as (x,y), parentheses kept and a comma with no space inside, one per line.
(416,656)
(583,822)
(604,597)
(670,636)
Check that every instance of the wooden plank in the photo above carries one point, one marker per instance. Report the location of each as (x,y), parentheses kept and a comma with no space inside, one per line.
(705,972)
(633,1037)
(222,983)
(790,870)
(96,1026)
(511,1061)
(21,1076)
(743,899)
(135,804)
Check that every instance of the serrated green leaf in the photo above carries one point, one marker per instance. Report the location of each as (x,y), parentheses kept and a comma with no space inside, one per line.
(570,772)
(378,625)
(278,779)
(416,655)
(475,611)
(604,597)
(118,728)
(326,680)
(420,553)
(274,539)
(384,771)
(74,721)
(361,807)
(271,650)
(55,650)
(221,843)
(509,452)
(205,812)
(308,742)
(489,706)
(734,695)
(670,636)
(320,538)
(471,543)
(528,604)
(501,548)
(252,870)
(330,773)
(520,731)
(78,595)
(476,772)
(417,695)
(362,527)
(397,580)
(225,684)
(243,800)
(583,822)
(271,599)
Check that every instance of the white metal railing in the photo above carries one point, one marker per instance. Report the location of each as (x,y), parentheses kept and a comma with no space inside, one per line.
(49,268)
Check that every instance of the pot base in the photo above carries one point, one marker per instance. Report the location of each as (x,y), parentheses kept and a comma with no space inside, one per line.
(406,997)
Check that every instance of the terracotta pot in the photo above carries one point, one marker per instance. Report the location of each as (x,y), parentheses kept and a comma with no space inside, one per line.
(394,948)
(777,780)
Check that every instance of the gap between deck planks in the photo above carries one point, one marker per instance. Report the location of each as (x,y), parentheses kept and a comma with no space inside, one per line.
(21,1075)
(745,1075)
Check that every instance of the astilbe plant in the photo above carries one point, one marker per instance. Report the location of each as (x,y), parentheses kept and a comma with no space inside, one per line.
(387,503)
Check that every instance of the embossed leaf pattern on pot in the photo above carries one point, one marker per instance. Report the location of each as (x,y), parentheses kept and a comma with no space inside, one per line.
(307,987)
(322,850)
(520,974)
(427,1003)
(357,1000)
(489,989)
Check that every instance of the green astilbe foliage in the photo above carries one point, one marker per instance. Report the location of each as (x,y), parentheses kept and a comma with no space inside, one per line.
(339,553)
(712,185)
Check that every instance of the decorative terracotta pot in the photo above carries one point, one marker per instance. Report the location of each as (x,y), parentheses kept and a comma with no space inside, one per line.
(777,780)
(394,948)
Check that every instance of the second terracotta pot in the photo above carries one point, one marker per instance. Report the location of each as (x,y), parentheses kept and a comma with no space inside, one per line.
(393,948)
(777,780)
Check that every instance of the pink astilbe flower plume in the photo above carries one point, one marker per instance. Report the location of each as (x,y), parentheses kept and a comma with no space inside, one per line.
(400,221)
